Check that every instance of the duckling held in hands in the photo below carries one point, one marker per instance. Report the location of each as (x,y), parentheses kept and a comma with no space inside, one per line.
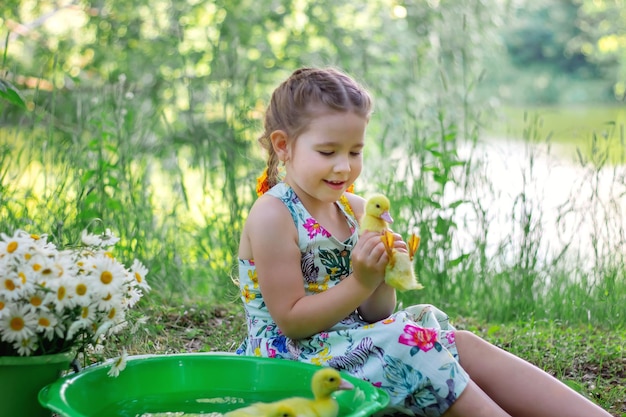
(399,272)
(323,384)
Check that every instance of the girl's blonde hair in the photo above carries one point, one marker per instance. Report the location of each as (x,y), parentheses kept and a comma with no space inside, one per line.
(299,99)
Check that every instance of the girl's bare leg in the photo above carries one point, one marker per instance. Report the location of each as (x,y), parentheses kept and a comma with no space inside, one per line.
(517,386)
(474,402)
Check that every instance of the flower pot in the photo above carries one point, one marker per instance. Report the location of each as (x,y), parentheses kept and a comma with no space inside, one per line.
(21,378)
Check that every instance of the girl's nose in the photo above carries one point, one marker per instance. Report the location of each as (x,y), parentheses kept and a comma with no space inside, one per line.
(342,165)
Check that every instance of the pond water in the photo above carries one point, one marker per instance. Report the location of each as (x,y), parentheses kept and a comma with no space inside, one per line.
(546,194)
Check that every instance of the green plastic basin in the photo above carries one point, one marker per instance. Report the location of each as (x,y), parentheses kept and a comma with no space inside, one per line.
(195,384)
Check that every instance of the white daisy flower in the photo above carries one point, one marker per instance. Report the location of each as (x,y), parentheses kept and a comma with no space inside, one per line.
(88,313)
(59,296)
(25,347)
(108,238)
(103,240)
(10,287)
(118,318)
(89,239)
(115,312)
(82,290)
(133,295)
(16,245)
(18,324)
(26,278)
(109,275)
(40,244)
(118,364)
(46,324)
(43,270)
(139,272)
(36,301)
(84,321)
(65,266)
(11,282)
(106,303)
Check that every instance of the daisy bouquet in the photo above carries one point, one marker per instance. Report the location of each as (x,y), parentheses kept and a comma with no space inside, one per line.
(54,301)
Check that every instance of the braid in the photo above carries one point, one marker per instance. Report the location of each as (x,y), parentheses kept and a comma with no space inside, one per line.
(272,169)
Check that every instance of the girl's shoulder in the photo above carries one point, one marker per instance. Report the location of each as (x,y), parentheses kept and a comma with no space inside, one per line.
(356,204)
(268,221)
(268,210)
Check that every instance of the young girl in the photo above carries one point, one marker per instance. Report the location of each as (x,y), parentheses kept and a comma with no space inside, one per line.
(313,286)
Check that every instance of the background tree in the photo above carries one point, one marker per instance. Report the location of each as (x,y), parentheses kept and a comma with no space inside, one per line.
(602,39)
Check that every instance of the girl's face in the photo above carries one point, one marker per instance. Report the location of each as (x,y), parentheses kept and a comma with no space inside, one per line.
(327,157)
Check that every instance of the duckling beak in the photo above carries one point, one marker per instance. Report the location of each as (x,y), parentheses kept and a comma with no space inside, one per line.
(345,385)
(386,217)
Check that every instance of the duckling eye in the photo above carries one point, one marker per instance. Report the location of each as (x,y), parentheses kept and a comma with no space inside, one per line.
(377,205)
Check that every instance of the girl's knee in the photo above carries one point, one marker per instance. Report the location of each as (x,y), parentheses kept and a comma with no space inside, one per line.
(467,342)
(464,337)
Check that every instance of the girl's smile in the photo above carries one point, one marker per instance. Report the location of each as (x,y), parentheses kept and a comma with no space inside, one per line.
(337,185)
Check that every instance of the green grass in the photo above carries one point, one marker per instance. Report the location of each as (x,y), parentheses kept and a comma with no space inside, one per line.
(590,360)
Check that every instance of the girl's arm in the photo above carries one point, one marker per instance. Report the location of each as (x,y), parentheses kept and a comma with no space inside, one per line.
(271,239)
(379,305)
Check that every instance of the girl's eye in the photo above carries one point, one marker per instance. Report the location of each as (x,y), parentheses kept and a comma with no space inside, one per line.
(355,153)
(325,153)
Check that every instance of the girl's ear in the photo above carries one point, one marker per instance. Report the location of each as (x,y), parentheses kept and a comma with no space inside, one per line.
(279,142)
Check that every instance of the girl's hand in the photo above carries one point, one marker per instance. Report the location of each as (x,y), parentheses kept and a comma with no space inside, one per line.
(369,259)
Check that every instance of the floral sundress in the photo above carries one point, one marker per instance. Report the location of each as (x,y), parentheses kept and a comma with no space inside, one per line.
(411,354)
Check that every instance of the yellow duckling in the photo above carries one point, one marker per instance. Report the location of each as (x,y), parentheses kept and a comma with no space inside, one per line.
(376,217)
(399,273)
(323,384)
(264,410)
